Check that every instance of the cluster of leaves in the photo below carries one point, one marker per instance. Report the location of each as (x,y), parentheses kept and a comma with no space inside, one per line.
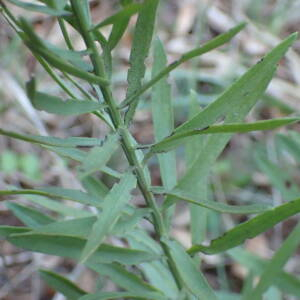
(166,269)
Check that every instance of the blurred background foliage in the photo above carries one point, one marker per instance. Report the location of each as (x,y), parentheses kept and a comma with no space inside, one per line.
(261,166)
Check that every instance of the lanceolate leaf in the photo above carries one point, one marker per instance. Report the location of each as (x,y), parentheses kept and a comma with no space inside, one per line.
(40,8)
(193,279)
(245,89)
(233,104)
(163,118)
(122,295)
(71,153)
(99,156)
(71,247)
(78,227)
(59,207)
(6,231)
(127,280)
(249,229)
(156,272)
(173,141)
(94,186)
(69,194)
(62,284)
(64,66)
(140,49)
(29,216)
(198,215)
(81,227)
(73,57)
(120,23)
(79,155)
(53,141)
(117,33)
(55,3)
(55,105)
(35,44)
(112,207)
(216,206)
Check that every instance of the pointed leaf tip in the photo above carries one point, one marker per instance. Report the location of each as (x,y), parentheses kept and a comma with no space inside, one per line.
(240,26)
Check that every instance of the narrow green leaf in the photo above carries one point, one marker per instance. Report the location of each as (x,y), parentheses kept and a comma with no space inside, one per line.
(246,89)
(72,194)
(214,43)
(193,279)
(249,229)
(126,12)
(29,216)
(71,247)
(156,272)
(141,238)
(163,118)
(36,45)
(112,206)
(78,227)
(59,207)
(159,276)
(196,142)
(234,104)
(69,194)
(140,48)
(79,155)
(128,222)
(60,4)
(99,156)
(6,231)
(81,227)
(127,280)
(175,140)
(120,22)
(53,141)
(216,206)
(73,57)
(198,214)
(70,153)
(62,284)
(64,66)
(55,105)
(117,33)
(276,264)
(40,8)
(94,186)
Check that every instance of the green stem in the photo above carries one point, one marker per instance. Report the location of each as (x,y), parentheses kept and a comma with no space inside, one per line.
(127,145)
(79,87)
(14,24)
(53,75)
(65,33)
(62,26)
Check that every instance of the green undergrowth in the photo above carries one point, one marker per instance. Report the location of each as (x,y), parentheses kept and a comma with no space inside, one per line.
(151,264)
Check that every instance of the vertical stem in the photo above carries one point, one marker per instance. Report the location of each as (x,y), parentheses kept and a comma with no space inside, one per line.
(128,147)
(65,33)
